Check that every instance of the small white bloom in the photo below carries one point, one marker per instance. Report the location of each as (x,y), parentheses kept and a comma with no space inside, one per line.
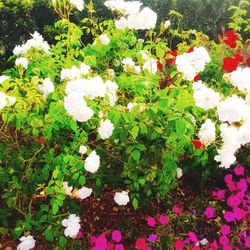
(22,62)
(27,243)
(47,87)
(150,65)
(3,78)
(167,24)
(92,162)
(83,149)
(207,132)
(204,242)
(67,189)
(121,198)
(106,129)
(79,4)
(121,24)
(72,225)
(179,173)
(84,192)
(104,39)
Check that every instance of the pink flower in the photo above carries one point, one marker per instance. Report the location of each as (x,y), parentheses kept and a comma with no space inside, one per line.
(79,235)
(231,186)
(242,185)
(192,237)
(116,235)
(219,194)
(152,238)
(163,219)
(99,243)
(229,216)
(119,247)
(239,213)
(247,241)
(227,248)
(213,245)
(228,178)
(239,170)
(195,248)
(225,229)
(177,209)
(178,245)
(209,212)
(151,221)
(224,240)
(233,201)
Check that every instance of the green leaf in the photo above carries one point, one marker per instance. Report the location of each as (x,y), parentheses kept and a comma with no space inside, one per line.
(49,235)
(135,131)
(135,203)
(75,176)
(136,155)
(81,180)
(55,209)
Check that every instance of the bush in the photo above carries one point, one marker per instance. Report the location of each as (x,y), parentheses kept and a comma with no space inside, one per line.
(113,112)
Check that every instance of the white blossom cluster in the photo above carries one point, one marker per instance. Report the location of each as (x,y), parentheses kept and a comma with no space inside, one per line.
(92,162)
(22,61)
(233,113)
(81,193)
(78,4)
(27,243)
(37,42)
(189,64)
(72,225)
(106,129)
(129,66)
(132,16)
(74,72)
(6,100)
(121,198)
(205,97)
(47,87)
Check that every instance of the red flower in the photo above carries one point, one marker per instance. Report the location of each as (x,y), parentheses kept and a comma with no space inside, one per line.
(178,245)
(198,144)
(197,78)
(141,244)
(230,64)
(230,39)
(248,62)
(239,58)
(191,49)
(159,65)
(173,54)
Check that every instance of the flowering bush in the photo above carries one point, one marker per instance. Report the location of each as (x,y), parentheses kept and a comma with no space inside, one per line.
(119,111)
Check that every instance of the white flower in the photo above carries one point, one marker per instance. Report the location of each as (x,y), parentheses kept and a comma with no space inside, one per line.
(121,198)
(104,39)
(37,42)
(240,78)
(121,24)
(230,136)
(72,225)
(179,173)
(77,107)
(106,129)
(189,64)
(204,242)
(3,78)
(92,162)
(22,62)
(79,4)
(207,132)
(128,64)
(131,105)
(83,149)
(74,72)
(167,23)
(226,157)
(147,18)
(150,65)
(205,98)
(84,192)
(6,100)
(232,109)
(244,133)
(27,243)
(67,189)
(47,87)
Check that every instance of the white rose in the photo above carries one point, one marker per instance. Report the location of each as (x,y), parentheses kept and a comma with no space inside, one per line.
(207,132)
(83,149)
(106,129)
(167,24)
(84,192)
(72,225)
(3,78)
(27,243)
(22,62)
(121,198)
(67,189)
(92,162)
(104,39)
